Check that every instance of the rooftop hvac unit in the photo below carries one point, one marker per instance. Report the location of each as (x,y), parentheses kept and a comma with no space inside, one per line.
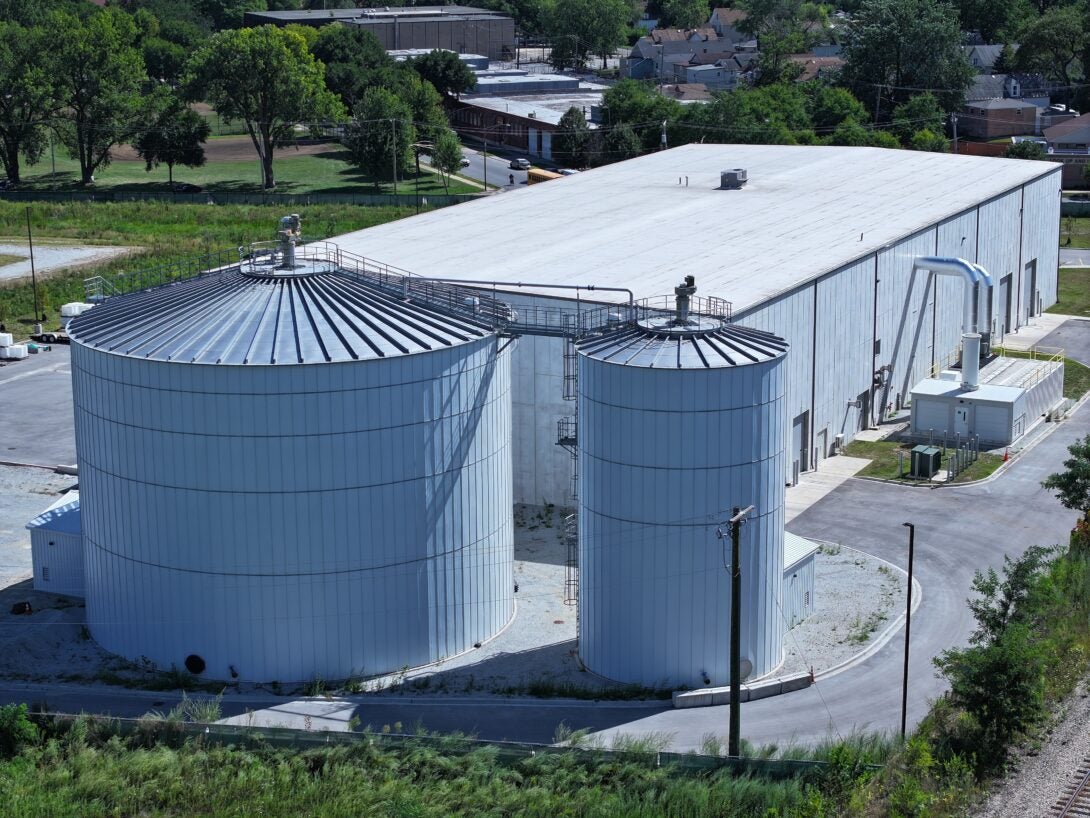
(732,179)
(925,461)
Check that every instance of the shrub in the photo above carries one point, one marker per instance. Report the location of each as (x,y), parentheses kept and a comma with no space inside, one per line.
(17,731)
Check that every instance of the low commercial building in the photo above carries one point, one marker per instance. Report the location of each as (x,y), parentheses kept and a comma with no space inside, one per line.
(464,29)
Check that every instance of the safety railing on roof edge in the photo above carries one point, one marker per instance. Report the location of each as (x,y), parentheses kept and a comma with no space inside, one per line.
(472,303)
(100,287)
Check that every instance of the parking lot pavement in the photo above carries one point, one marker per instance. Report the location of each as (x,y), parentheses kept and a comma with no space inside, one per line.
(36,403)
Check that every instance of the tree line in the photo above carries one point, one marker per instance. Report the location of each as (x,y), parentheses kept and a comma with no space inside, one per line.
(93,80)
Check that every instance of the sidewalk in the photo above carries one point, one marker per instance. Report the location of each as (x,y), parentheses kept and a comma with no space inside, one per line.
(1038,327)
(814,485)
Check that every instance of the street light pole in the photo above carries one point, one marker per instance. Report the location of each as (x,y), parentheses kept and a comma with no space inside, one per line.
(486,161)
(393,152)
(734,738)
(33,274)
(908,627)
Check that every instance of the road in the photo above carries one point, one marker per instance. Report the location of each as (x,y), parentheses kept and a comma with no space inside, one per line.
(1074,257)
(498,171)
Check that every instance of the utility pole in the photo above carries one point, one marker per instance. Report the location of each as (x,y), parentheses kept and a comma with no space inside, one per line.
(908,627)
(33,274)
(393,151)
(662,140)
(486,161)
(954,123)
(737,520)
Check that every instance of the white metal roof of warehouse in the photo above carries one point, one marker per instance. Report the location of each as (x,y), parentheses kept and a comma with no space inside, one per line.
(805,211)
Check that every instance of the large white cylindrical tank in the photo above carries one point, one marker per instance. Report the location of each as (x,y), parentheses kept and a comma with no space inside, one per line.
(679,422)
(291,476)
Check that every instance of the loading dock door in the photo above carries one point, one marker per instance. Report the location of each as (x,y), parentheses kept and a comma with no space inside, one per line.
(800,445)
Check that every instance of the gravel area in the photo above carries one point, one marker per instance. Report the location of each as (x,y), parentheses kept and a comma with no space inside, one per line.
(48,257)
(1041,776)
(24,494)
(856,597)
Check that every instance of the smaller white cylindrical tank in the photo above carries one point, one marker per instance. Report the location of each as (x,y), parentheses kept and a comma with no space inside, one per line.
(679,421)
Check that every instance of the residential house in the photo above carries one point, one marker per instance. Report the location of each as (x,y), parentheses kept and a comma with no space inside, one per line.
(722,75)
(686,92)
(656,54)
(995,118)
(725,23)
(815,67)
(994,102)
(1069,143)
(982,57)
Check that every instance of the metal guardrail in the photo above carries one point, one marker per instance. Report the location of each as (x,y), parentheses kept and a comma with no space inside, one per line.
(473,303)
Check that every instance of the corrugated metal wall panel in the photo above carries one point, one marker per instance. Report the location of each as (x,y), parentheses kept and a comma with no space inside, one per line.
(905,316)
(845,312)
(297,521)
(798,593)
(999,253)
(1041,215)
(654,590)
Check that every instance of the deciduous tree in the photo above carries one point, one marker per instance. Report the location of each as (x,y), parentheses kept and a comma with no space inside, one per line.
(354,60)
(28,98)
(584,27)
(684,13)
(176,137)
(445,71)
(447,155)
(1052,45)
(265,77)
(1072,485)
(897,48)
(571,138)
(99,77)
(381,135)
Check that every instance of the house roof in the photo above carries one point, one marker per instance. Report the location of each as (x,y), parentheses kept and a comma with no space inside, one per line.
(729,16)
(986,86)
(986,54)
(688,91)
(1075,130)
(805,211)
(813,67)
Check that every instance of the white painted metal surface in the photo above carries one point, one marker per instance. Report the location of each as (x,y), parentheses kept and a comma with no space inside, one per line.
(805,211)
(290,521)
(665,452)
(56,547)
(799,600)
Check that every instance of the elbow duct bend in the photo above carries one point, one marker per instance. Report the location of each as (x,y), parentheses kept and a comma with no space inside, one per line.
(977,298)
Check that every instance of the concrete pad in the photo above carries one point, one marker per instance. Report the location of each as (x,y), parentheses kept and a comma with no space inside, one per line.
(714,696)
(49,257)
(1035,331)
(815,485)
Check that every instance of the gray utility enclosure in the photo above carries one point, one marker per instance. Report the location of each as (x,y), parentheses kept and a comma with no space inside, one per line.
(1014,395)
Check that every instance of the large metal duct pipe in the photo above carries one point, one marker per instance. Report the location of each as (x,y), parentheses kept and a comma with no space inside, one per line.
(973,275)
(970,360)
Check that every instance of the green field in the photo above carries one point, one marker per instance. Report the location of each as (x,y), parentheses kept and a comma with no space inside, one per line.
(1075,231)
(326,172)
(1074,292)
(165,233)
(7,258)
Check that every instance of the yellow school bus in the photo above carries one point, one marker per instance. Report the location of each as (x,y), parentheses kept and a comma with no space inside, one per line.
(535,175)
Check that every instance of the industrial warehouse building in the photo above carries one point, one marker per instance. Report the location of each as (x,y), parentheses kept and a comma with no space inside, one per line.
(817,247)
(462,29)
(305,465)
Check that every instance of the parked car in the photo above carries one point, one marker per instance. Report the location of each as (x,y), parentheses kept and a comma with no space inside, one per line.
(186,187)
(567,172)
(521,163)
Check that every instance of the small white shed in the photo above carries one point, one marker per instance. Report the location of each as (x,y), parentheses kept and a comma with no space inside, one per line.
(798,578)
(56,547)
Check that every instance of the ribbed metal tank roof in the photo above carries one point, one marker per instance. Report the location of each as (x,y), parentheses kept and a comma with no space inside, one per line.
(701,343)
(234,317)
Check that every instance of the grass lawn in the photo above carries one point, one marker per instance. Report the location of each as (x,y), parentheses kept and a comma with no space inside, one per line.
(1075,231)
(885,462)
(1074,292)
(166,233)
(325,172)
(7,258)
